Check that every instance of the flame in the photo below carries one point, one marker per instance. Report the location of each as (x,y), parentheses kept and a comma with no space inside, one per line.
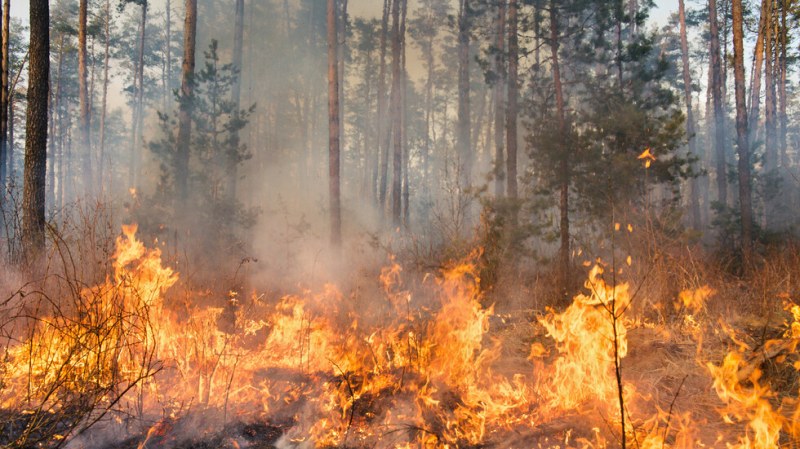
(416,368)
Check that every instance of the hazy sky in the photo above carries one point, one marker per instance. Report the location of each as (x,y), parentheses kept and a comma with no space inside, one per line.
(19,8)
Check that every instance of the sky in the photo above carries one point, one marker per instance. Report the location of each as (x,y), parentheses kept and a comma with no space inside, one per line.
(19,8)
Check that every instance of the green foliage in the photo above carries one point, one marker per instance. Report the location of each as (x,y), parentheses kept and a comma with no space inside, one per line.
(216,153)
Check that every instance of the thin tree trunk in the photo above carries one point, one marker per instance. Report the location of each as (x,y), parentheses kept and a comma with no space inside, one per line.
(33,198)
(694,200)
(719,116)
(396,107)
(743,150)
(511,117)
(463,142)
(103,108)
(782,85)
(168,54)
(333,128)
(404,118)
(83,97)
(384,128)
(186,102)
(770,126)
(341,50)
(499,103)
(4,94)
(427,140)
(233,152)
(56,124)
(564,168)
(753,112)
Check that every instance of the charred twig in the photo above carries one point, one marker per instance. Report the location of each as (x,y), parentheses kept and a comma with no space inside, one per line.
(669,413)
(352,401)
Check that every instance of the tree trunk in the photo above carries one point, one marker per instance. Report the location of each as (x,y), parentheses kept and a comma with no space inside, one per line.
(694,200)
(341,50)
(743,150)
(186,102)
(511,117)
(427,139)
(463,141)
(782,85)
(333,127)
(404,117)
(168,56)
(233,152)
(396,111)
(770,128)
(83,96)
(499,104)
(719,115)
(753,112)
(138,128)
(384,128)
(33,197)
(103,108)
(4,149)
(564,169)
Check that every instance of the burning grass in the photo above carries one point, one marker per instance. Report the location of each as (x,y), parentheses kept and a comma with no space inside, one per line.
(420,361)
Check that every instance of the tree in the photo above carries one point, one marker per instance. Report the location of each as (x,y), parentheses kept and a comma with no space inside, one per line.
(715,63)
(463,137)
(238,44)
(511,116)
(4,95)
(687,91)
(333,128)
(104,102)
(83,89)
(499,103)
(185,115)
(33,199)
(743,147)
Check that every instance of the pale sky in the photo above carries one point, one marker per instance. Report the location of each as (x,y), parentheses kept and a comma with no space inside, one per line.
(19,8)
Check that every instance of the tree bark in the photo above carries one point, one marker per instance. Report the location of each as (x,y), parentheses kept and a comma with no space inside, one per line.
(4,95)
(384,128)
(463,138)
(186,102)
(103,108)
(83,97)
(232,159)
(499,103)
(770,126)
(743,149)
(694,200)
(719,115)
(404,118)
(33,198)
(564,168)
(783,118)
(396,111)
(333,128)
(753,112)
(511,116)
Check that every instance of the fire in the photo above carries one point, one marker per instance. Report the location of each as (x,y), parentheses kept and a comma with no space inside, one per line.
(584,337)
(411,370)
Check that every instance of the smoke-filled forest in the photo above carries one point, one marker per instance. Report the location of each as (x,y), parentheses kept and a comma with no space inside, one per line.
(394,224)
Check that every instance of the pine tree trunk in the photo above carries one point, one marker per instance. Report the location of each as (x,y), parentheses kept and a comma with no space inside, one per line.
(463,142)
(782,85)
(236,90)
(103,108)
(753,112)
(564,168)
(83,97)
(55,124)
(384,127)
(743,149)
(341,50)
(333,128)
(396,111)
(168,55)
(186,102)
(770,126)
(4,148)
(33,197)
(694,200)
(717,97)
(499,103)
(404,117)
(511,117)
(427,139)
